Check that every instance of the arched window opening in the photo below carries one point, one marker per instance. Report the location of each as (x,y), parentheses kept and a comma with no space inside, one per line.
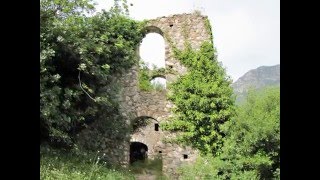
(159,83)
(152,51)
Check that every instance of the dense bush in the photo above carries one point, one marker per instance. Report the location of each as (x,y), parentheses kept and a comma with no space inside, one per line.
(203,99)
(78,56)
(252,144)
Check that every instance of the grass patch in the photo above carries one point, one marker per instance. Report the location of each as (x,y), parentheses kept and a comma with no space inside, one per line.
(148,166)
(62,165)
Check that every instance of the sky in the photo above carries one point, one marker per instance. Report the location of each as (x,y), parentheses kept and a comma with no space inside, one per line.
(246,32)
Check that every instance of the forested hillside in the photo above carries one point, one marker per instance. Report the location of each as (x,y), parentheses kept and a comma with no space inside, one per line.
(258,78)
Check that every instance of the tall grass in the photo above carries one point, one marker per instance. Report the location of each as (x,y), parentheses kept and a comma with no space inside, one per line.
(60,165)
(152,167)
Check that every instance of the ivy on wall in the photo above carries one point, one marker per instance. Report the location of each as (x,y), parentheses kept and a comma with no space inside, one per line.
(146,75)
(203,98)
(144,78)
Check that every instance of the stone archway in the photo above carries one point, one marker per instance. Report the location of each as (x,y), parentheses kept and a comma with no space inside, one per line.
(138,151)
(141,122)
(152,50)
(153,29)
(159,83)
(149,133)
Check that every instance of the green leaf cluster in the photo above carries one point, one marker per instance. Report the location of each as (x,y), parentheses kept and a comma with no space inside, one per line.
(146,75)
(253,138)
(144,78)
(203,99)
(79,55)
(251,148)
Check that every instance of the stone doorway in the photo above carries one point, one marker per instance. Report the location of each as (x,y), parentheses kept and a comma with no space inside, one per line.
(138,151)
(142,166)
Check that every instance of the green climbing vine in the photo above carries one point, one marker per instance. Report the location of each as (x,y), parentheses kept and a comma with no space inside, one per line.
(144,77)
(208,28)
(203,98)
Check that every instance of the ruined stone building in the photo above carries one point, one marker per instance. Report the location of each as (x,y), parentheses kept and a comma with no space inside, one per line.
(137,104)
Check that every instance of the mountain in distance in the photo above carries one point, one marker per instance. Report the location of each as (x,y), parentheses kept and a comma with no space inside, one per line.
(258,78)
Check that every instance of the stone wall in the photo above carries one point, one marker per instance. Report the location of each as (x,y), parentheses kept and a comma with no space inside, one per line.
(178,29)
(135,103)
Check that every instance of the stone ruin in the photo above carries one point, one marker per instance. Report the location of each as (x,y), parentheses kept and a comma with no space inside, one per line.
(136,104)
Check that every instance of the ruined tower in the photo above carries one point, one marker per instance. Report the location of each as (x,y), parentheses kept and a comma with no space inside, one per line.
(154,104)
(138,104)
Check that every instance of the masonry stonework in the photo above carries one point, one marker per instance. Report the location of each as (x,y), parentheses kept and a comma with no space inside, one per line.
(135,103)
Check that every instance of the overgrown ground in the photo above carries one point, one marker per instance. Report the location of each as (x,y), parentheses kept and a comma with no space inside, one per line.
(65,166)
(151,169)
(62,165)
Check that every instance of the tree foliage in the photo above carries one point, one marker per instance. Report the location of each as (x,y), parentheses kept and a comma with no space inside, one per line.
(78,56)
(203,99)
(252,144)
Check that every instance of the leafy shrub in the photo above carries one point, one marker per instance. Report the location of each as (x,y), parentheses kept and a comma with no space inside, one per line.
(203,99)
(78,57)
(251,148)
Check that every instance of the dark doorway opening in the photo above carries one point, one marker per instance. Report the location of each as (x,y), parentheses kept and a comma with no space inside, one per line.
(156,127)
(138,151)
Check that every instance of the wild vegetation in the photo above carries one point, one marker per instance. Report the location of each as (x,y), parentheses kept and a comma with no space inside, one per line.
(252,144)
(203,99)
(66,165)
(146,75)
(81,53)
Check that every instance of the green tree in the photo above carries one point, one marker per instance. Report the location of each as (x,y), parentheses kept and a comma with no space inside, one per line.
(203,99)
(251,148)
(253,142)
(78,57)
